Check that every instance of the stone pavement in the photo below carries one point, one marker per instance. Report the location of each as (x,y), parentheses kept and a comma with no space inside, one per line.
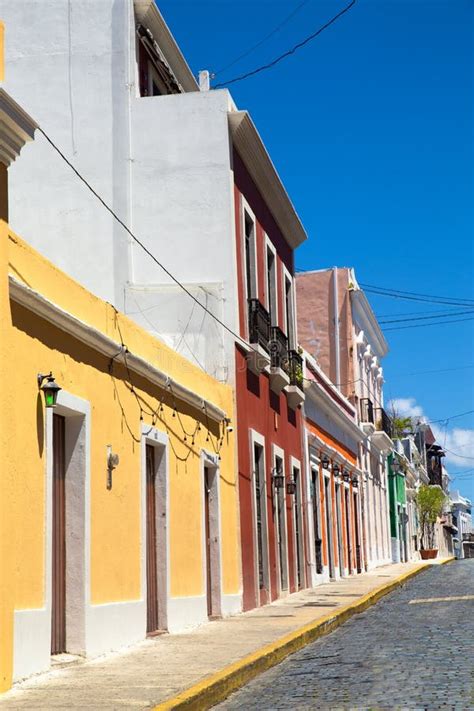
(159,668)
(395,655)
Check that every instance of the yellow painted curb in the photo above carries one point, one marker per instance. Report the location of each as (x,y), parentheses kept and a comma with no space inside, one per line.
(218,686)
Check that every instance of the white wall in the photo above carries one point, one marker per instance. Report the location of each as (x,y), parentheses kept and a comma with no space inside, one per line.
(67,64)
(183,209)
(162,163)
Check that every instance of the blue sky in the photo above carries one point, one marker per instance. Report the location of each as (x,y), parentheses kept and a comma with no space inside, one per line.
(370,128)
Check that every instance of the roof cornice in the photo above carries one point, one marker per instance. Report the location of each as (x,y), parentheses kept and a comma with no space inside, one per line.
(39,305)
(367,321)
(16,128)
(251,149)
(148,15)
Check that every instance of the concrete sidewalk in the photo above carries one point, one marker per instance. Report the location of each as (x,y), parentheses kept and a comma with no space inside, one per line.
(225,652)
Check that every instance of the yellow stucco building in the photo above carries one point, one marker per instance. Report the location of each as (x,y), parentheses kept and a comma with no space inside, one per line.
(119,509)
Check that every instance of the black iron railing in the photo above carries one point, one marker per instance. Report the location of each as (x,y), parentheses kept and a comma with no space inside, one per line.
(383,422)
(278,348)
(366,410)
(259,324)
(295,368)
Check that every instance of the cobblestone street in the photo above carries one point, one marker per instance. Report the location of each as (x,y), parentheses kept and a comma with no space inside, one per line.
(405,652)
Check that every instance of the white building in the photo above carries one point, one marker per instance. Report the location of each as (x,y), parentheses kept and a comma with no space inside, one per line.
(462,519)
(109,85)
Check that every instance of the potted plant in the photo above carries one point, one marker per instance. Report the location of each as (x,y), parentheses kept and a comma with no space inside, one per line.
(429,502)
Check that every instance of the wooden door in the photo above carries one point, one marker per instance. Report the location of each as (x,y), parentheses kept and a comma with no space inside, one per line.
(348,530)
(207,534)
(298,538)
(357,534)
(152,623)
(58,601)
(329,528)
(316,523)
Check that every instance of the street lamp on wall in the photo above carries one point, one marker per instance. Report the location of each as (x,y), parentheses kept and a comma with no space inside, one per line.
(395,465)
(291,487)
(355,480)
(346,476)
(325,462)
(278,478)
(50,389)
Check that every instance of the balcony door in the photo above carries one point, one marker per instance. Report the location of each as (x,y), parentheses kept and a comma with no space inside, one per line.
(58,602)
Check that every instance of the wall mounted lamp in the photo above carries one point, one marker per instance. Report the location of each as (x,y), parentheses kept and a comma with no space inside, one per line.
(278,478)
(50,389)
(355,481)
(291,487)
(346,476)
(336,469)
(325,462)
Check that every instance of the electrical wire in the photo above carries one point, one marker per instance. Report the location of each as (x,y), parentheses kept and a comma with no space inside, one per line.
(406,297)
(263,40)
(415,293)
(289,52)
(426,318)
(422,325)
(140,243)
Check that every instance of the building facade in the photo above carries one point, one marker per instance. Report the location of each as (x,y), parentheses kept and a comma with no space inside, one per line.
(96,489)
(461,508)
(338,328)
(333,480)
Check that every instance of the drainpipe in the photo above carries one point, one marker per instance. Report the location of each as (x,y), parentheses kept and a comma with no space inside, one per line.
(336,328)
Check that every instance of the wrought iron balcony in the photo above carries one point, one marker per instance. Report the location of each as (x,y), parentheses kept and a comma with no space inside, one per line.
(278,349)
(295,369)
(259,324)
(366,410)
(383,422)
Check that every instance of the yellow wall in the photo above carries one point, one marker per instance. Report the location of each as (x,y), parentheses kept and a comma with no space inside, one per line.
(30,345)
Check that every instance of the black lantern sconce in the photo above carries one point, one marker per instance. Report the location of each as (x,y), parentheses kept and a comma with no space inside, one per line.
(346,476)
(355,481)
(278,478)
(291,487)
(395,465)
(336,469)
(325,462)
(50,389)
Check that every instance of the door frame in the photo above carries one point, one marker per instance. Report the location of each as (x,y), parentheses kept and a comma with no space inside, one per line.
(159,441)
(77,494)
(328,512)
(211,463)
(279,452)
(298,550)
(258,439)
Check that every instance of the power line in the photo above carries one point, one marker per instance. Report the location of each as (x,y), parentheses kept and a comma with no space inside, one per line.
(393,295)
(139,242)
(415,293)
(422,325)
(453,417)
(461,456)
(439,370)
(289,52)
(426,318)
(263,40)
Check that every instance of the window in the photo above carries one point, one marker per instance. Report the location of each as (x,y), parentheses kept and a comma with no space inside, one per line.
(250,253)
(289,310)
(271,286)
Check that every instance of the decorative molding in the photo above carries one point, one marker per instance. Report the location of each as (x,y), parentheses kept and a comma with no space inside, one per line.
(148,15)
(251,149)
(16,128)
(38,304)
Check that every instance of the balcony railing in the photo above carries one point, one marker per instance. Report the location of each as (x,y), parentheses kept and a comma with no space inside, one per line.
(383,422)
(278,349)
(366,410)
(295,368)
(259,324)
